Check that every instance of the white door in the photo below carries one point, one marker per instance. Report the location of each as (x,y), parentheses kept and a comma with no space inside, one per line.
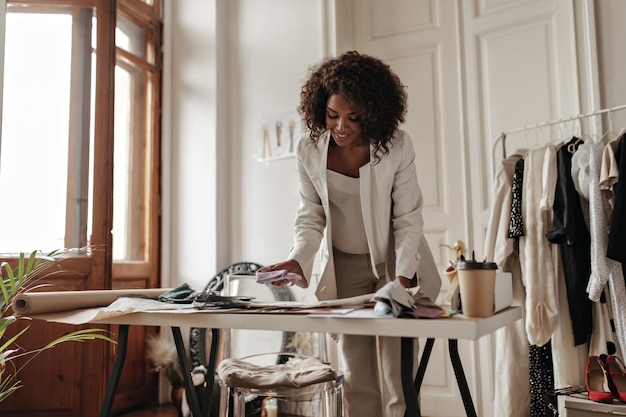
(472,68)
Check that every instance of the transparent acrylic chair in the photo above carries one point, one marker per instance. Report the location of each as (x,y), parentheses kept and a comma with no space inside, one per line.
(321,399)
(267,349)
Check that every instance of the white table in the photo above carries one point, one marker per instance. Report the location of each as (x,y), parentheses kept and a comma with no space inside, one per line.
(360,322)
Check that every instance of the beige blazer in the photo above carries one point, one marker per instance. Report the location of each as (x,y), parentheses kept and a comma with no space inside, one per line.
(391,201)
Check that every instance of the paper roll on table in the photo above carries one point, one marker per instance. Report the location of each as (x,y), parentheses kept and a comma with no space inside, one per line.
(50,302)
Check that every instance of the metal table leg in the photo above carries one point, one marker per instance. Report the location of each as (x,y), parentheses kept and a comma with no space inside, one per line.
(185,366)
(455,359)
(116,372)
(421,370)
(197,350)
(408,389)
(209,378)
(453,347)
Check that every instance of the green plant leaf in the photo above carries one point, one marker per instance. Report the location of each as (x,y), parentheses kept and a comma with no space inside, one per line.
(6,390)
(8,343)
(5,322)
(20,278)
(80,336)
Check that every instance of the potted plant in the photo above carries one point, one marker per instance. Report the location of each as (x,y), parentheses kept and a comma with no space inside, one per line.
(16,278)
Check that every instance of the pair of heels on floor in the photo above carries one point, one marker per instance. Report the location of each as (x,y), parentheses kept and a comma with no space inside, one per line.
(606,379)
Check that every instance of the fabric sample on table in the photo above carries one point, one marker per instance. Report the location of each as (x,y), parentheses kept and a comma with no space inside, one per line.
(181,292)
(267,277)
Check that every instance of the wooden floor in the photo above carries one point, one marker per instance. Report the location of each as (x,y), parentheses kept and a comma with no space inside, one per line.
(165,410)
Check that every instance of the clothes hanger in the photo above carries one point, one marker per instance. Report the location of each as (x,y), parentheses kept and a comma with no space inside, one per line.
(539,133)
(576,137)
(526,140)
(560,127)
(610,134)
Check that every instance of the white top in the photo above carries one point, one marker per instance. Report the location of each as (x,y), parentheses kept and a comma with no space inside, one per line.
(345,207)
(511,356)
(537,254)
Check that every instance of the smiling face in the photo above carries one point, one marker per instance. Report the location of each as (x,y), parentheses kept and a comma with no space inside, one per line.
(343,122)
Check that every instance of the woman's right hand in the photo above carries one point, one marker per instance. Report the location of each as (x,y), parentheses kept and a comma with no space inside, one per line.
(290,265)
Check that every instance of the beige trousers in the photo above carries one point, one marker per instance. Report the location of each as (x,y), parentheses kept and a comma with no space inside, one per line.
(371,365)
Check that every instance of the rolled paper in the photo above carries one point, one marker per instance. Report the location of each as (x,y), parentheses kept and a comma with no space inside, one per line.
(55,301)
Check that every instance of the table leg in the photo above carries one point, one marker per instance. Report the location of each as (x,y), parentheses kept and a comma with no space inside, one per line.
(116,372)
(421,370)
(453,348)
(406,372)
(197,350)
(209,377)
(185,366)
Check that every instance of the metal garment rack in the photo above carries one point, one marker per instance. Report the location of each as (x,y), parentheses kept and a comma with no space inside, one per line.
(503,135)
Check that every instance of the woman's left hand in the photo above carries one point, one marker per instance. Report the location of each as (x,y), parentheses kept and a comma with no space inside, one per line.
(290,265)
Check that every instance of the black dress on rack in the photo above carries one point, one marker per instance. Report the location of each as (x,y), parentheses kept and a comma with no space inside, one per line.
(617,235)
(569,230)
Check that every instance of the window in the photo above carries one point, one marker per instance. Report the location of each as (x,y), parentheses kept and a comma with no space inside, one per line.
(80,165)
(137,79)
(80,132)
(36,132)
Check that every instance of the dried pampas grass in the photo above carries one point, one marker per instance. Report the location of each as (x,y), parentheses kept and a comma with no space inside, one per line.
(163,356)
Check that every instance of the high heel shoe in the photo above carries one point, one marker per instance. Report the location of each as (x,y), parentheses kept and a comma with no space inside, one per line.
(597,381)
(617,376)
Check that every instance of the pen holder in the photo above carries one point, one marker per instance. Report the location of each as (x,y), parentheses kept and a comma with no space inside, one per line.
(477,287)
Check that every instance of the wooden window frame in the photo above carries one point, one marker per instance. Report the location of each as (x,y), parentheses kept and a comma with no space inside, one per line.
(103,269)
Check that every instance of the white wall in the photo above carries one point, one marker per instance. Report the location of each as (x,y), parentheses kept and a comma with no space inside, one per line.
(610,16)
(278,40)
(227,63)
(189,142)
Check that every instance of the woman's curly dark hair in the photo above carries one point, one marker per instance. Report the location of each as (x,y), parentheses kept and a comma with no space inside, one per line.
(373,90)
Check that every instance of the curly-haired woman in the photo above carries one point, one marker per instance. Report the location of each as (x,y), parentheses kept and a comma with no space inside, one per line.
(359,193)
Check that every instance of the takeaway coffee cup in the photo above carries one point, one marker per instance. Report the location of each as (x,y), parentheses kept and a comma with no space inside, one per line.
(477,282)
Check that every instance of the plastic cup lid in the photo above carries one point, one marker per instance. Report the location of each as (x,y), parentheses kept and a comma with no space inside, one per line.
(465,264)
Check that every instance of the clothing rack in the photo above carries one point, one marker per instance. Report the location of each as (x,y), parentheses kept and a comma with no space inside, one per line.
(503,135)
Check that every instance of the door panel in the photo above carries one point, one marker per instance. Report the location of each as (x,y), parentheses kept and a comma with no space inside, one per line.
(521,70)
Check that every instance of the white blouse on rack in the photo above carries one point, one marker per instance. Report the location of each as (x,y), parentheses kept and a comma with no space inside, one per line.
(537,256)
(512,379)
